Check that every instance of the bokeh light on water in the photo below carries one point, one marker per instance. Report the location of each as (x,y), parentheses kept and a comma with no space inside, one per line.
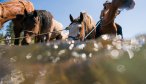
(103,61)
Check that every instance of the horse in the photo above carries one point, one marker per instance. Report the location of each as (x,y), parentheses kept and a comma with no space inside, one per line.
(42,25)
(58,30)
(14,10)
(108,26)
(81,26)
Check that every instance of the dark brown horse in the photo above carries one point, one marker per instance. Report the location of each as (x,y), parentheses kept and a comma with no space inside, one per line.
(38,24)
(14,10)
(81,26)
(108,26)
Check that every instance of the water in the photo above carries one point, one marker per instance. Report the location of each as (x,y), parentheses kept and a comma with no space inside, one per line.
(101,61)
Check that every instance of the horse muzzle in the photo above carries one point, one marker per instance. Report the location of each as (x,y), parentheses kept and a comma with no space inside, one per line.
(27,40)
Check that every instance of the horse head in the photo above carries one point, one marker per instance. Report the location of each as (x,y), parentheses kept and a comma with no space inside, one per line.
(30,23)
(75,27)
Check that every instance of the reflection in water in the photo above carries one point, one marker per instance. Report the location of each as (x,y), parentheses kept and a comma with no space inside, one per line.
(16,77)
(101,61)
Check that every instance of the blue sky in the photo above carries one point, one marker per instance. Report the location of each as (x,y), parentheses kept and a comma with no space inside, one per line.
(133,21)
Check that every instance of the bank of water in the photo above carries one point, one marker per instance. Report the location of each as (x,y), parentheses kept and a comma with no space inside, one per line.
(101,61)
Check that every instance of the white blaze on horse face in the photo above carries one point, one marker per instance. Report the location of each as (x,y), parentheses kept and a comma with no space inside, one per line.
(74,29)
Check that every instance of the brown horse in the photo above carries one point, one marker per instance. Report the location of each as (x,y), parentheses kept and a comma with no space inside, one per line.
(14,10)
(108,26)
(39,23)
(81,26)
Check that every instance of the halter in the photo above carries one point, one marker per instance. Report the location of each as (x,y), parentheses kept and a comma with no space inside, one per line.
(72,37)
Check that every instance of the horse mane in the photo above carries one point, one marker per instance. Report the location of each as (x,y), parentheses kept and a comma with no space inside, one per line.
(45,18)
(88,23)
(88,20)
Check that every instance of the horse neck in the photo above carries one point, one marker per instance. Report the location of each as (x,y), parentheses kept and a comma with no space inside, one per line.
(111,14)
(108,25)
(88,23)
(10,10)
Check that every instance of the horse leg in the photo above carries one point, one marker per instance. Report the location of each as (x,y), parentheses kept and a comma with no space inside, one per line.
(37,39)
(17,32)
(40,38)
(48,36)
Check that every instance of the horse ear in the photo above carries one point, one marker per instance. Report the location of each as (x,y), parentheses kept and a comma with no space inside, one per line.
(81,17)
(71,18)
(35,13)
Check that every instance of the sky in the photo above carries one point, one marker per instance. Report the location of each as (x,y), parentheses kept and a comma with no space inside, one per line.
(132,21)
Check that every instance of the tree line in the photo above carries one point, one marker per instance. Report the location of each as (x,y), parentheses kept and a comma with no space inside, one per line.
(8,32)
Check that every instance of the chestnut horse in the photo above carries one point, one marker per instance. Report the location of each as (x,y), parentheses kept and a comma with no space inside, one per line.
(81,26)
(38,24)
(14,10)
(108,26)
